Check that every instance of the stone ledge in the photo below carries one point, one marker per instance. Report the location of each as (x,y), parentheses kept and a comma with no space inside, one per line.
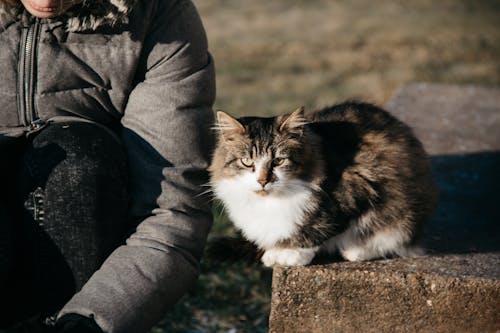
(450,119)
(452,293)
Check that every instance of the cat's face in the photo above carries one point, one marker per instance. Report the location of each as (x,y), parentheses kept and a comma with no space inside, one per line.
(263,156)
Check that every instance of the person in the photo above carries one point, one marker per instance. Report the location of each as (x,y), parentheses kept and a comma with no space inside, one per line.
(105,137)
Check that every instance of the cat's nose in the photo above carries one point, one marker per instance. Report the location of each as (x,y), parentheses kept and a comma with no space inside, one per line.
(262,182)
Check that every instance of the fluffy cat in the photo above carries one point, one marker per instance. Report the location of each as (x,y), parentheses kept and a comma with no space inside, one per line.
(350,179)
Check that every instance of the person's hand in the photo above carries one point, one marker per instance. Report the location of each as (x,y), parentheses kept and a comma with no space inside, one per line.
(34,324)
(70,323)
(74,323)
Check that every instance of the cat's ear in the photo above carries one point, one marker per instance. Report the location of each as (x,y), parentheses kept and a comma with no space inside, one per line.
(228,126)
(293,122)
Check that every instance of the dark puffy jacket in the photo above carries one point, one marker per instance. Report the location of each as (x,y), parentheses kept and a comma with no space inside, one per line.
(141,68)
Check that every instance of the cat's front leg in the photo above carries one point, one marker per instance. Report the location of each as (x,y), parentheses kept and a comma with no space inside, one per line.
(288,256)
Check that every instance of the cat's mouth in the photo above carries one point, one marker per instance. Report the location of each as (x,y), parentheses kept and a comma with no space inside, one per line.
(262,192)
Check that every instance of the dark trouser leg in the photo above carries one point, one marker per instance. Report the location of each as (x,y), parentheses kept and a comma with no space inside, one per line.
(6,247)
(10,152)
(73,189)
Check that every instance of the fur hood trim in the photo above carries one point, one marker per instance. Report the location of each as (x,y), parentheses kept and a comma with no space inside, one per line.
(89,15)
(93,14)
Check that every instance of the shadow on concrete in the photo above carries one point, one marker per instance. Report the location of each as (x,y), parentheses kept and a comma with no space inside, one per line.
(467,218)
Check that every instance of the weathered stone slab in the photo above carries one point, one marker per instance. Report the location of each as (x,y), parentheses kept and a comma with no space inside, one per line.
(454,293)
(451,119)
(456,288)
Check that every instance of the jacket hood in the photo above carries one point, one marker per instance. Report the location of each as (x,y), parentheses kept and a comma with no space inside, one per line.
(89,15)
(96,13)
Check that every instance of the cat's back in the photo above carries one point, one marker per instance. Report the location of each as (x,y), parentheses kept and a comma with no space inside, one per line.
(352,124)
(364,117)
(364,143)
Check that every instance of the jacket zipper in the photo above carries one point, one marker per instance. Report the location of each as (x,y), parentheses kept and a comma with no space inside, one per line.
(27,75)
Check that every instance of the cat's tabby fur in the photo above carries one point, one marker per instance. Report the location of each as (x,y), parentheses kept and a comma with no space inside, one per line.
(349,178)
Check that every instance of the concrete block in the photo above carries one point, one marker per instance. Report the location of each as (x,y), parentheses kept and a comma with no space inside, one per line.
(452,293)
(451,119)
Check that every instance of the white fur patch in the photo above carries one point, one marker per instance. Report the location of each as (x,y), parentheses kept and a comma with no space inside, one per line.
(264,219)
(289,256)
(383,243)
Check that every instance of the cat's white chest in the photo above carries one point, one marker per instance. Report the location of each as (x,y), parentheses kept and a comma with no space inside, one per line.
(264,220)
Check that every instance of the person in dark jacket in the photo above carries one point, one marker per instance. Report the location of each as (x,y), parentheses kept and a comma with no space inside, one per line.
(105,117)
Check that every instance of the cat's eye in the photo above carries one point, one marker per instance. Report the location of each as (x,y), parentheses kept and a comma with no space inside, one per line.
(278,161)
(247,162)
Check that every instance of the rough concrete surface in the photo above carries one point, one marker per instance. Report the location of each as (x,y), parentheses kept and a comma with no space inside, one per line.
(454,289)
(450,119)
(435,294)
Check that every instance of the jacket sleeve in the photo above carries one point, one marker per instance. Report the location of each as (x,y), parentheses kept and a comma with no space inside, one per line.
(167,136)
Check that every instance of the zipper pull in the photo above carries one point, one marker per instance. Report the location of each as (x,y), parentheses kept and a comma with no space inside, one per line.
(35,126)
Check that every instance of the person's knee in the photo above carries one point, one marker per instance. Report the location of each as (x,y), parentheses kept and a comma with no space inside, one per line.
(76,153)
(81,168)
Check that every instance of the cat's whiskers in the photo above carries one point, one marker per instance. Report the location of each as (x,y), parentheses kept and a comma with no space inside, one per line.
(208,191)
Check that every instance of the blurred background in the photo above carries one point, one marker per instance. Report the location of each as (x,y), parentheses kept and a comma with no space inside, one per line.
(272,56)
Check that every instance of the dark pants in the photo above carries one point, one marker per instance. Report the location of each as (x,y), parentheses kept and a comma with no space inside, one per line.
(63,209)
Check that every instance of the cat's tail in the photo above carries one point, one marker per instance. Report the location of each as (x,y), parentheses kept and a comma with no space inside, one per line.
(233,249)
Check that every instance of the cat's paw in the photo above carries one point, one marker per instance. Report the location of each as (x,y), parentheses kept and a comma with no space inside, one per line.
(288,257)
(354,254)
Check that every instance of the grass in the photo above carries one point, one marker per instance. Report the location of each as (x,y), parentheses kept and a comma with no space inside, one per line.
(272,56)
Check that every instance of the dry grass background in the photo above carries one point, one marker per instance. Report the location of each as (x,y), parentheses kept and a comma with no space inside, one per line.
(272,56)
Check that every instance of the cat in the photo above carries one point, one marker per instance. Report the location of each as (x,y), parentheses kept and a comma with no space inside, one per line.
(348,179)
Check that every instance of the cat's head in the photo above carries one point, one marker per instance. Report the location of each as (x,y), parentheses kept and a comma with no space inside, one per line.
(266,156)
